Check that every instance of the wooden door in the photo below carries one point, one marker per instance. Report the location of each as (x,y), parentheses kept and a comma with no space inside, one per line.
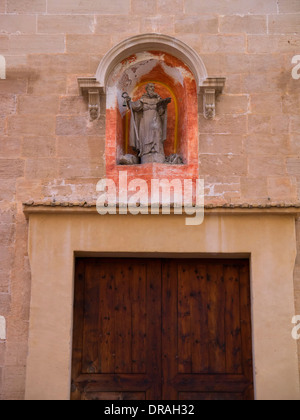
(162,330)
(206,340)
(117,330)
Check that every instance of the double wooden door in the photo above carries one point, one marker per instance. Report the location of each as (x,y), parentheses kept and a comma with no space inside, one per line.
(162,329)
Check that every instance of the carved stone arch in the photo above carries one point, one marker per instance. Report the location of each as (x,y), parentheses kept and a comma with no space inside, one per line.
(93,87)
(179,72)
(148,42)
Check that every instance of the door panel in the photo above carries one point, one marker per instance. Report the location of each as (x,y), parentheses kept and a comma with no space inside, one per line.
(208,319)
(162,329)
(115,319)
(117,315)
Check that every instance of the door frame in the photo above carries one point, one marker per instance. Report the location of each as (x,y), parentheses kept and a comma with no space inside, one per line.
(56,238)
(159,288)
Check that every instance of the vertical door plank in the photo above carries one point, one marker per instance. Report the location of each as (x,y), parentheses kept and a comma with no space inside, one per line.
(216,318)
(106,319)
(245,304)
(170,328)
(122,319)
(184,320)
(232,320)
(78,315)
(139,316)
(199,318)
(90,362)
(154,328)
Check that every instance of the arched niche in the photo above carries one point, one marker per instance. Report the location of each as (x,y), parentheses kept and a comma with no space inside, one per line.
(172,78)
(177,72)
(151,42)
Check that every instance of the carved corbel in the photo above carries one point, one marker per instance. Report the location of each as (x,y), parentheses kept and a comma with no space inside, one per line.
(211,88)
(90,88)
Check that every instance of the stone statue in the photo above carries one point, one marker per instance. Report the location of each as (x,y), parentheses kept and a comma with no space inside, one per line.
(148,128)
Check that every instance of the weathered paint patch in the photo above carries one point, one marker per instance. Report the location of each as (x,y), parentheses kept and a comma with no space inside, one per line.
(173,79)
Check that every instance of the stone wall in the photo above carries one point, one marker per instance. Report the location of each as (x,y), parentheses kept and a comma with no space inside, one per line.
(50,150)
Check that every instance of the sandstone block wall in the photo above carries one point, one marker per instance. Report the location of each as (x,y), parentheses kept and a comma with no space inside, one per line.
(49,149)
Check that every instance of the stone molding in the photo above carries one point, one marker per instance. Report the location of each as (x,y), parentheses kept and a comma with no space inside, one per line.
(93,87)
(211,88)
(90,88)
(84,207)
(155,42)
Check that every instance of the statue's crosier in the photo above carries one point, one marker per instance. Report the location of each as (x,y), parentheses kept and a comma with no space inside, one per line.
(148,127)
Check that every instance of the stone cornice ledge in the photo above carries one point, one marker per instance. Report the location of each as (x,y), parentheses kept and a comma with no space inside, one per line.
(211,209)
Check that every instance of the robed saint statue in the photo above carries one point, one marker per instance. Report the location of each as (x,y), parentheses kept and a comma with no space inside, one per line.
(148,126)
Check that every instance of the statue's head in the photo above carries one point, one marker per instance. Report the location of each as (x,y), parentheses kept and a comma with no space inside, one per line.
(150,88)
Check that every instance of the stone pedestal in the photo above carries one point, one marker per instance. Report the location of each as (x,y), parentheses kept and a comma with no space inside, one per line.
(153,158)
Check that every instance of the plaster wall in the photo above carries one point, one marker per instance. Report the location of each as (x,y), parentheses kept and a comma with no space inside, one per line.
(55,239)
